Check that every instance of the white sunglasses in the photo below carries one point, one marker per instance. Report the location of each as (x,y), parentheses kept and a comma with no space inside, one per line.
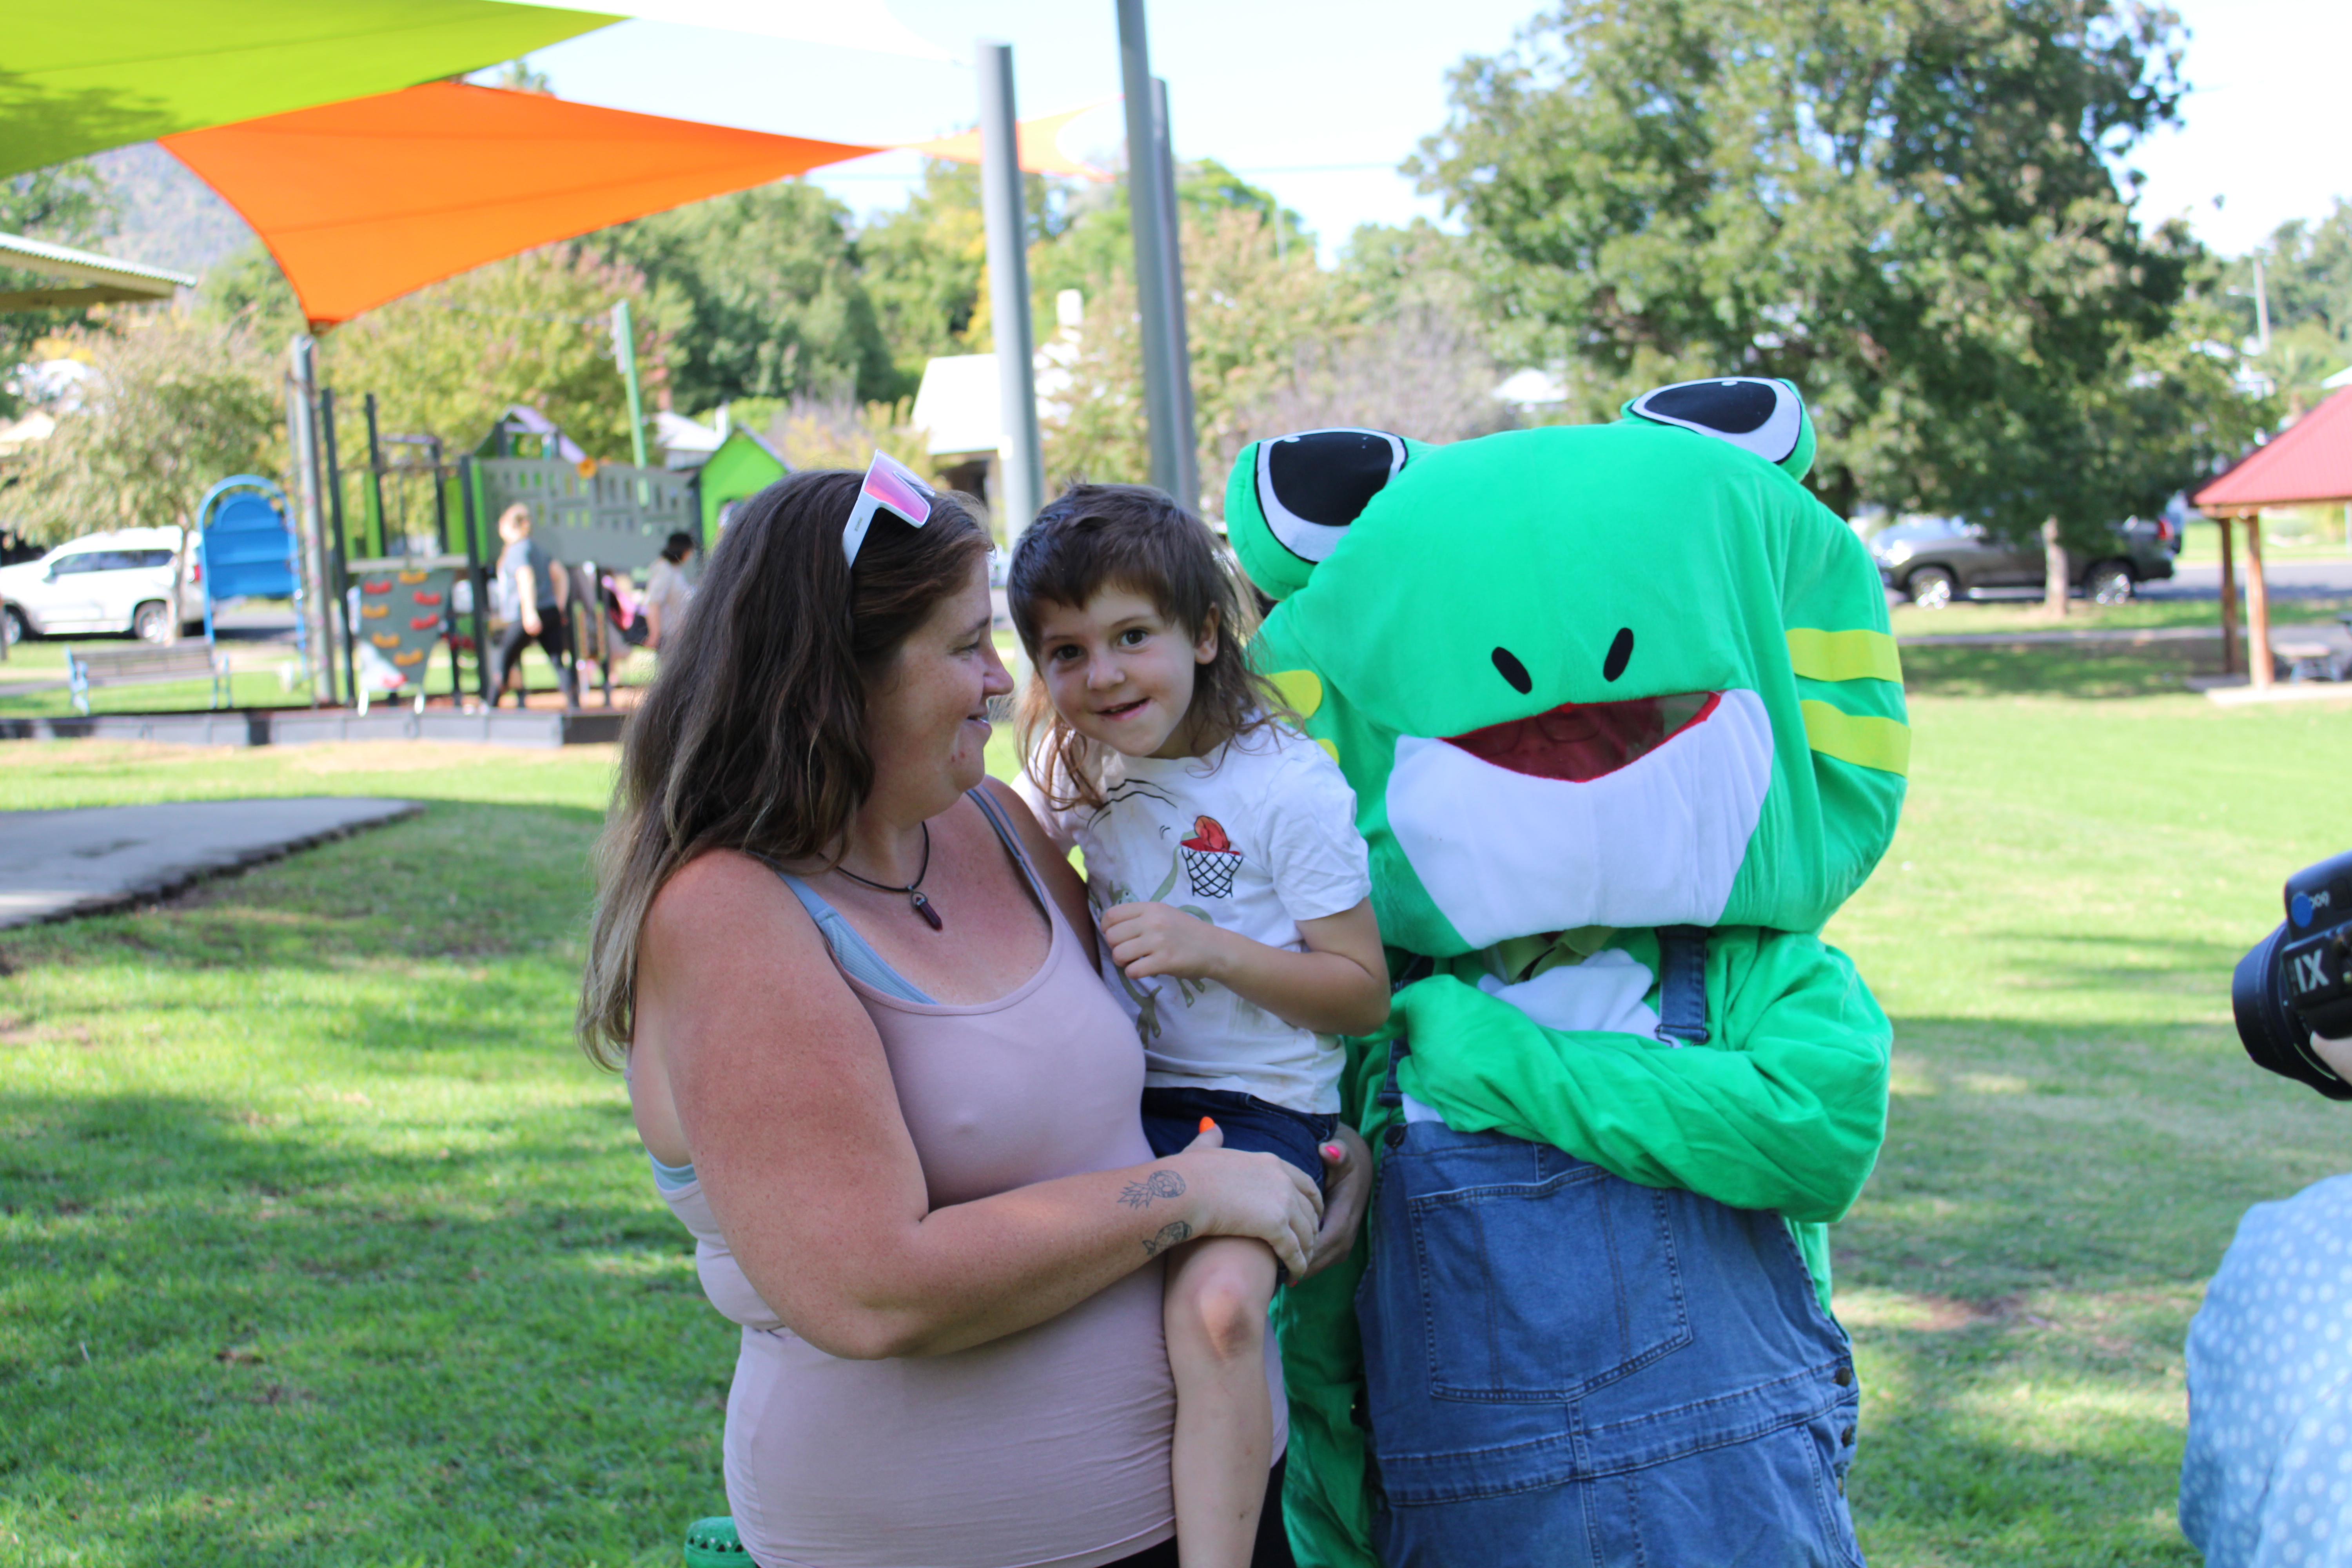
(890,486)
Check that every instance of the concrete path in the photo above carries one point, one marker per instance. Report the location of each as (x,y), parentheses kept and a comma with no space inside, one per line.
(56,864)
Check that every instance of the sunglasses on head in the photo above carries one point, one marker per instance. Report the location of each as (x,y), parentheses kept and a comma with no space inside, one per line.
(890,486)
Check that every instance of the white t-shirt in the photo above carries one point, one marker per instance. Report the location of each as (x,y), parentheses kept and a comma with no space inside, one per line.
(666,587)
(1255,838)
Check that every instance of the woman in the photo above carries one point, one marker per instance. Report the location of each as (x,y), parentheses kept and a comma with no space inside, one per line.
(879,1078)
(664,606)
(540,589)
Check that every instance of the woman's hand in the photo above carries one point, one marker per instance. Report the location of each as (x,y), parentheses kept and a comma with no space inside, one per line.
(1348,1189)
(1234,1194)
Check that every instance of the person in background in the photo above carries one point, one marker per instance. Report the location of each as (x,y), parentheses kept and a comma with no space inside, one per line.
(667,589)
(2267,1480)
(540,589)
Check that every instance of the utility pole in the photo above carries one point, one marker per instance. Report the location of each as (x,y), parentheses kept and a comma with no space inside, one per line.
(1020,449)
(1147,212)
(624,352)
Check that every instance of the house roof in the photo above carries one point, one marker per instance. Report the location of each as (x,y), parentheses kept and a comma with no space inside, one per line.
(2310,460)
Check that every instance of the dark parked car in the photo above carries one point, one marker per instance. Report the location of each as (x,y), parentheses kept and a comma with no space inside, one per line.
(1933,560)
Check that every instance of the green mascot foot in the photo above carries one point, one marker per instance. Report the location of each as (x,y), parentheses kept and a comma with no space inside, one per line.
(713,1544)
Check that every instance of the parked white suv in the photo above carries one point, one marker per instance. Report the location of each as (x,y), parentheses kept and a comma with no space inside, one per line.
(119,582)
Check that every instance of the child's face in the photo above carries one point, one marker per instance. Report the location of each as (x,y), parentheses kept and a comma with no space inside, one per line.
(1120,673)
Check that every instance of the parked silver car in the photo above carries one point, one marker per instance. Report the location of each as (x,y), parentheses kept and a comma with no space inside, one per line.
(1932,561)
(119,582)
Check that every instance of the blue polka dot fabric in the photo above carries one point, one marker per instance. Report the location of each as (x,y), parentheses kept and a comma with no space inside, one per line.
(2267,1478)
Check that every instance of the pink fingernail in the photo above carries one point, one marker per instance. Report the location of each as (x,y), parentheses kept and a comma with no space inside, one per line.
(1332,1150)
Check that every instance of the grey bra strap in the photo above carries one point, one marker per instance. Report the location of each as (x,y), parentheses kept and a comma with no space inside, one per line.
(852,952)
(1012,847)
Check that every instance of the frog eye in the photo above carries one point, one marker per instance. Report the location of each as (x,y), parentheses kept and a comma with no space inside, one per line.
(1311,486)
(1756,415)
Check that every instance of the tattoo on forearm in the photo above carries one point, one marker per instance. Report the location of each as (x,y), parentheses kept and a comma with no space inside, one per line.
(1168,1235)
(1159,1184)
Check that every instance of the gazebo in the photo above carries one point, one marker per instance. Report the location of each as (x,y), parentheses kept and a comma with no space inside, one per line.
(2308,464)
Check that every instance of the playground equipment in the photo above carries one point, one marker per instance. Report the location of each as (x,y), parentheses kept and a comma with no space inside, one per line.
(401,609)
(247,548)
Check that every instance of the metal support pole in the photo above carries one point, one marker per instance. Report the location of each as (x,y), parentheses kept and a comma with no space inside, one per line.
(1020,448)
(1187,489)
(624,352)
(1146,216)
(376,545)
(473,576)
(338,576)
(303,433)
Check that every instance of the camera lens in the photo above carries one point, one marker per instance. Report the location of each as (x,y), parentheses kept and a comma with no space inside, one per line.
(2273,1037)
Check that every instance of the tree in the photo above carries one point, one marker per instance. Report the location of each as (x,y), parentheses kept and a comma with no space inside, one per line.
(2308,269)
(67,204)
(924,267)
(171,405)
(1910,209)
(760,295)
(448,361)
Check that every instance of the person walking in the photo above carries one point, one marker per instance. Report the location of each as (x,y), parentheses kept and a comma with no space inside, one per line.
(667,590)
(540,590)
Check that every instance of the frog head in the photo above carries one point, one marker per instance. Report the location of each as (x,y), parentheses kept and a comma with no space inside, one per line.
(1623,675)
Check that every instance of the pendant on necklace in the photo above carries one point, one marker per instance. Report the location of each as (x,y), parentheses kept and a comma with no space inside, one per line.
(923,907)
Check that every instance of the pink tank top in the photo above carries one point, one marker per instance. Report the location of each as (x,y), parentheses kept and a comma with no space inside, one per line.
(1047,1449)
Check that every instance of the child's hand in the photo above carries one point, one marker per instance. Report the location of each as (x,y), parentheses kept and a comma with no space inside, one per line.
(1153,939)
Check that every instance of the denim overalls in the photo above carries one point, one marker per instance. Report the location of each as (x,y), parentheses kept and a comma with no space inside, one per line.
(1562,1367)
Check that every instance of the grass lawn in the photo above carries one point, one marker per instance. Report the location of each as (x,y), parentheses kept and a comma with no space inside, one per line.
(2005,616)
(255,678)
(318,1238)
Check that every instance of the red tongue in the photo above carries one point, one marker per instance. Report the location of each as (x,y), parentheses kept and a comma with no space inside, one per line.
(1580,741)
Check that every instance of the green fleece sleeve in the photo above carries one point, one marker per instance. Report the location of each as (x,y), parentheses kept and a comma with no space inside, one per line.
(1783,1109)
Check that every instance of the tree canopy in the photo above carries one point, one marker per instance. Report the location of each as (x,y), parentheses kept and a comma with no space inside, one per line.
(1910,208)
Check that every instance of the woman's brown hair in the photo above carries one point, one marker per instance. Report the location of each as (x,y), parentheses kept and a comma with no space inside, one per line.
(752,735)
(1091,537)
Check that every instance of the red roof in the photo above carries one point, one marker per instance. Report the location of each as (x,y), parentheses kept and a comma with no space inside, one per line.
(2311,461)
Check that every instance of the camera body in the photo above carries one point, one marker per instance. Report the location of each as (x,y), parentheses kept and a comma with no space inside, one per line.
(2297,981)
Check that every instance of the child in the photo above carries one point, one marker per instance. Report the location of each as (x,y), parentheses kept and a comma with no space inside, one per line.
(1231,889)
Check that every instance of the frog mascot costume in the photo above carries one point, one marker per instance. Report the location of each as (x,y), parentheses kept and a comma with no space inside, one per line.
(1625,727)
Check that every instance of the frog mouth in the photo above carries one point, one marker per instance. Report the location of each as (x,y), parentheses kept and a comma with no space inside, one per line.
(1626,814)
(1577,742)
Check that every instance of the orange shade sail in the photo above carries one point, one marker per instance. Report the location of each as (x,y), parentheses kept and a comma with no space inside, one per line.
(367,200)
(1039,140)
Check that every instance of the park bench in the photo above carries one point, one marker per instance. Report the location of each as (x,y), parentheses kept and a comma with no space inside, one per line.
(2313,653)
(87,671)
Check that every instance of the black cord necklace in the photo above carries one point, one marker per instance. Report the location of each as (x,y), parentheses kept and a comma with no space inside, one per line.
(912,890)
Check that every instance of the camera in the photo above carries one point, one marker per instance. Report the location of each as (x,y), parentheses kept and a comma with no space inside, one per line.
(2297,981)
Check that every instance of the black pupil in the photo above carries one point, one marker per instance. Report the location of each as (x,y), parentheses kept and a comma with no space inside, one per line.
(1514,671)
(1733,407)
(1620,651)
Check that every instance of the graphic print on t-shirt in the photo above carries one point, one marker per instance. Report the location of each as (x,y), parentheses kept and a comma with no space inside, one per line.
(1109,892)
(1210,860)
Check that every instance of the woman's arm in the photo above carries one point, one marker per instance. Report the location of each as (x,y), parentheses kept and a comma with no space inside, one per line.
(1340,985)
(787,1104)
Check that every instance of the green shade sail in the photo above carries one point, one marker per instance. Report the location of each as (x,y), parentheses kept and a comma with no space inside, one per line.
(82,77)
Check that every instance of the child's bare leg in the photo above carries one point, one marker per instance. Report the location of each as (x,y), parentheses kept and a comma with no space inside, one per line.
(1217,1294)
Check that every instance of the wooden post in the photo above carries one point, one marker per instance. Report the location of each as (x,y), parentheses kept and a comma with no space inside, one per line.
(2229,600)
(2258,607)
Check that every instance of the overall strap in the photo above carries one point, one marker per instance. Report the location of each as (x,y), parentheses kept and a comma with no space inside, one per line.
(1681,985)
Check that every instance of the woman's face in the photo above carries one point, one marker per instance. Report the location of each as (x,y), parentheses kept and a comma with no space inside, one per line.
(927,721)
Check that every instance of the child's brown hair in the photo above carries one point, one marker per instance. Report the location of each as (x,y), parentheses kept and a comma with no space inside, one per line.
(1092,537)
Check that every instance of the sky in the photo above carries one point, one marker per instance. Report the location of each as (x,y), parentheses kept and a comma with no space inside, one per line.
(1320,103)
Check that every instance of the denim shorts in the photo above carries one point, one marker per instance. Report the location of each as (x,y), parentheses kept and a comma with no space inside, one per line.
(1171,1118)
